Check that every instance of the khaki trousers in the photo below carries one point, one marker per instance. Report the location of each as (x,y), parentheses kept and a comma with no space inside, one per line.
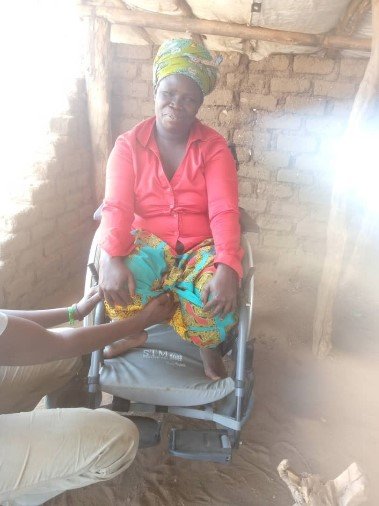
(45,452)
(21,388)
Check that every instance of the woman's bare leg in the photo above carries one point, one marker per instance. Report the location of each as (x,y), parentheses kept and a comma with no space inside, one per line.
(121,346)
(214,367)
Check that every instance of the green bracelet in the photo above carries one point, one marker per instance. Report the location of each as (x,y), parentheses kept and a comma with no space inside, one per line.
(71,314)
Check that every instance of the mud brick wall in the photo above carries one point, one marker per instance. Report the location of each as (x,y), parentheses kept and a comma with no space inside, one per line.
(284,115)
(45,234)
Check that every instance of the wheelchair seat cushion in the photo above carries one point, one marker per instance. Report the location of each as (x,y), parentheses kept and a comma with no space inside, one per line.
(167,371)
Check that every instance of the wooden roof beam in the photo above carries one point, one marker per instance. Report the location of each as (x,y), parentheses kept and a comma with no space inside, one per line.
(185,8)
(353,15)
(210,27)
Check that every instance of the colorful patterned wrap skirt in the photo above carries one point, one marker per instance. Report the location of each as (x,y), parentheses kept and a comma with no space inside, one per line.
(158,268)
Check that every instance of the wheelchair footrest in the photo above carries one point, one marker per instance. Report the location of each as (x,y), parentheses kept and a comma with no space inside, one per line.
(211,445)
(149,430)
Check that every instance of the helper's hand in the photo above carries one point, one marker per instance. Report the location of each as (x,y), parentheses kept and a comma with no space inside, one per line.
(88,302)
(117,284)
(220,294)
(159,309)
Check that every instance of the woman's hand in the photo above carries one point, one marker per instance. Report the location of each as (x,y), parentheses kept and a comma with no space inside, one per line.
(88,302)
(220,294)
(117,284)
(159,309)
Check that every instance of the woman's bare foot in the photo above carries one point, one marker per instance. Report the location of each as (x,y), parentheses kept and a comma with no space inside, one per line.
(214,367)
(119,347)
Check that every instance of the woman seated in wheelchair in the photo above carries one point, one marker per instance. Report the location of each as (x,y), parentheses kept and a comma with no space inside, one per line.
(170,219)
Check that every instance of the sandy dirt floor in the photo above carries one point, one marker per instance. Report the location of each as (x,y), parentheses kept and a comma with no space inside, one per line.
(320,414)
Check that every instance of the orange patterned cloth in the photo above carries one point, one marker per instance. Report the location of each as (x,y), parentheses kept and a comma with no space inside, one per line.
(158,268)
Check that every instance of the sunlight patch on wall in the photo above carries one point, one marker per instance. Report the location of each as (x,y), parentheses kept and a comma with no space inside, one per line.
(42,43)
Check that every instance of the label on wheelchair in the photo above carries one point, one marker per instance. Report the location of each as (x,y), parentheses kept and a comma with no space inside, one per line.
(172,358)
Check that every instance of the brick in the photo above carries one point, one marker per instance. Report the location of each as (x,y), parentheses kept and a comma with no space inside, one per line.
(73,162)
(219,97)
(236,116)
(243,154)
(279,62)
(133,52)
(273,159)
(253,203)
(12,243)
(254,172)
(314,196)
(67,221)
(313,248)
(342,108)
(254,84)
(122,69)
(44,169)
(288,209)
(41,191)
(124,125)
(48,286)
(244,188)
(305,105)
(231,61)
(273,223)
(311,228)
(260,102)
(20,285)
(334,90)
(146,109)
(146,72)
(208,115)
(280,191)
(64,125)
(313,162)
(76,200)
(281,122)
(353,67)
(279,241)
(51,246)
(137,89)
(53,208)
(243,137)
(312,65)
(42,230)
(19,216)
(68,185)
(51,268)
(294,176)
(30,257)
(297,143)
(289,85)
(326,125)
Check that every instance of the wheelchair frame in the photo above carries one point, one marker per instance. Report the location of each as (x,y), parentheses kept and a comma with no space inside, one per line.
(230,413)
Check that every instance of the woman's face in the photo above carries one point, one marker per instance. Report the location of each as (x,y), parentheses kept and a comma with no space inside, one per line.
(177,100)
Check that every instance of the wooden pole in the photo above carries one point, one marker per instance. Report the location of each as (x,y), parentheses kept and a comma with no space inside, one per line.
(98,97)
(349,22)
(336,232)
(210,27)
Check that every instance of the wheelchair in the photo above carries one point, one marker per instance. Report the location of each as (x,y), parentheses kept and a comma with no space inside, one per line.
(166,376)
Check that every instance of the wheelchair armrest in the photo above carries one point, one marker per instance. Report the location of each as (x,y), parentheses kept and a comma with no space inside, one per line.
(97,213)
(247,223)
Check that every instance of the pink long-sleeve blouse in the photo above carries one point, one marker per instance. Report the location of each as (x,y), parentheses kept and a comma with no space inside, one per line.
(199,202)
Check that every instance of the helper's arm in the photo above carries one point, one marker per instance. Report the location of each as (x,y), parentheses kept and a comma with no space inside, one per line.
(24,342)
(51,317)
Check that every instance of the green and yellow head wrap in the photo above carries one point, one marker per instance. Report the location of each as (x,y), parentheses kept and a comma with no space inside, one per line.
(186,57)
